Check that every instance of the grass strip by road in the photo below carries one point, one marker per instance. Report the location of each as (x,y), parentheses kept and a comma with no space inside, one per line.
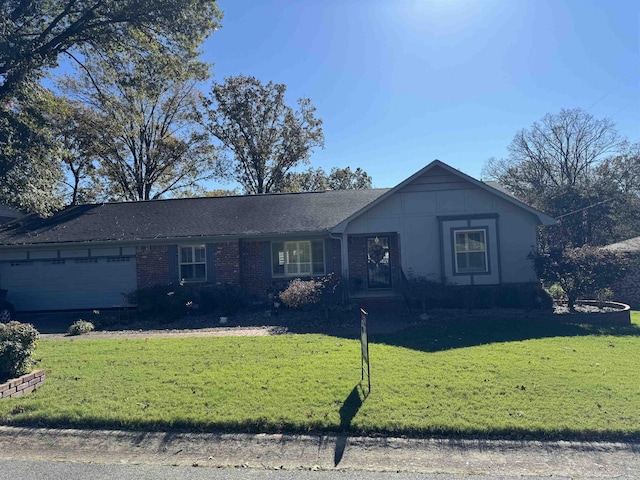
(507,379)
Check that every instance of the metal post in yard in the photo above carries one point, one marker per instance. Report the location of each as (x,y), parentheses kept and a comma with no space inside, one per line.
(364,343)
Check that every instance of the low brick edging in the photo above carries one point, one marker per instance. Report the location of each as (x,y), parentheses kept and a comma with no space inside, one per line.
(22,385)
(620,314)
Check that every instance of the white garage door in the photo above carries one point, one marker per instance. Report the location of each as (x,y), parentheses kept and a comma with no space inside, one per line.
(69,283)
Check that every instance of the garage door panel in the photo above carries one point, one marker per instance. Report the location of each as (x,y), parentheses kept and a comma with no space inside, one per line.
(68,283)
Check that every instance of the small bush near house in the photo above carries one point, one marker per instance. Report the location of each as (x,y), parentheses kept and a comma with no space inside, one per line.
(17,342)
(111,320)
(423,293)
(302,292)
(80,327)
(225,298)
(332,295)
(164,302)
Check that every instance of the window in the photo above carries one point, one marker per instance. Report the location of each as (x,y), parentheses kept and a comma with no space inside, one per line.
(193,263)
(85,260)
(57,261)
(471,251)
(302,258)
(118,259)
(21,263)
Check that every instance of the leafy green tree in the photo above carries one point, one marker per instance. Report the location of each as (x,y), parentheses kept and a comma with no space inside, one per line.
(346,179)
(581,271)
(266,137)
(141,127)
(623,169)
(221,192)
(310,180)
(30,170)
(36,33)
(75,128)
(314,180)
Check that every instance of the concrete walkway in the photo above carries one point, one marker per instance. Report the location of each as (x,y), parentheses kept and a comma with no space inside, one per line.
(325,452)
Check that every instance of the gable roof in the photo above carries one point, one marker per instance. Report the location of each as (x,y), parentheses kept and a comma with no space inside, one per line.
(628,246)
(543,218)
(248,215)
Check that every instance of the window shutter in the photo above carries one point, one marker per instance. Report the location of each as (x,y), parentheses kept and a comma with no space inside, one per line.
(277,269)
(174,268)
(211,262)
(266,259)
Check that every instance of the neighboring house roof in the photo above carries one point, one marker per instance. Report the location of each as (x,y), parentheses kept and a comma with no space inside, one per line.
(191,217)
(543,218)
(629,246)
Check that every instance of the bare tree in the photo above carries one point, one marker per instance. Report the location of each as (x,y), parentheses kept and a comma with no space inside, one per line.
(560,150)
(576,168)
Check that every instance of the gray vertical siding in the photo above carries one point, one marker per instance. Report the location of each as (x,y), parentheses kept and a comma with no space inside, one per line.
(414,213)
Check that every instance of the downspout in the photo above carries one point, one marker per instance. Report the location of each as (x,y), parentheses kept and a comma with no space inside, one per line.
(344,261)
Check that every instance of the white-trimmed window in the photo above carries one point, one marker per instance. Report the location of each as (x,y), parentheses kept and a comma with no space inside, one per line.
(470,251)
(297,258)
(193,263)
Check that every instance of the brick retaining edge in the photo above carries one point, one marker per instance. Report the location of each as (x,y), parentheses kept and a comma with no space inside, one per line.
(22,385)
(620,314)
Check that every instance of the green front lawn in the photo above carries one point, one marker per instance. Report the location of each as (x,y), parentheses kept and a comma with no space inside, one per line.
(488,379)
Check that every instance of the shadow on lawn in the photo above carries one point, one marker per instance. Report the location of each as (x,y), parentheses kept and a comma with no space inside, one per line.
(443,335)
(347,412)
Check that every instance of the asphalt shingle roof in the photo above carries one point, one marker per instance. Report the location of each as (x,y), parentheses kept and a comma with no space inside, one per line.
(191,217)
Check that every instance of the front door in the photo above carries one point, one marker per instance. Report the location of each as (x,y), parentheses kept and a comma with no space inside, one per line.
(378,265)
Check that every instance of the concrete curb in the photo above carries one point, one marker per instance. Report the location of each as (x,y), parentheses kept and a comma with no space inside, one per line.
(325,452)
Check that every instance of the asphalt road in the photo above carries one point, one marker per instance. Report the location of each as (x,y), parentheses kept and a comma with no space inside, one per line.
(179,455)
(27,470)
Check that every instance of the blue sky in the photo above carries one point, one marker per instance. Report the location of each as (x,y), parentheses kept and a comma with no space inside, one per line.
(399,83)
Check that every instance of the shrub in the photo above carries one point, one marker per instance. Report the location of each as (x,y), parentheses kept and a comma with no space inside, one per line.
(17,342)
(582,271)
(80,327)
(111,320)
(163,301)
(302,292)
(227,298)
(332,294)
(424,293)
(556,292)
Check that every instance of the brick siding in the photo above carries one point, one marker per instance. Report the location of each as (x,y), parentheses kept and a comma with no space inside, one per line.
(627,290)
(152,265)
(238,262)
(227,266)
(253,268)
